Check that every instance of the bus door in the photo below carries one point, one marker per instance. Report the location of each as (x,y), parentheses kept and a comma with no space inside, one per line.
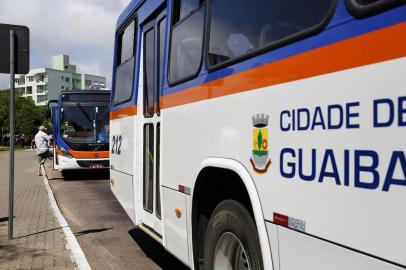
(153,40)
(54,121)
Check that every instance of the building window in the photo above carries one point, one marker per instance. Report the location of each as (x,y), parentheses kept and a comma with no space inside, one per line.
(19,91)
(240,29)
(186,45)
(124,73)
(30,78)
(67,79)
(40,77)
(62,87)
(88,83)
(19,81)
(62,77)
(42,99)
(28,90)
(40,89)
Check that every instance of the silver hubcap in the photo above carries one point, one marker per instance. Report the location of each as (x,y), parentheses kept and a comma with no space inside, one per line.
(230,254)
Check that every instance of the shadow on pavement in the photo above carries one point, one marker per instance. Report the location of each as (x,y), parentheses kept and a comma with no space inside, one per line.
(54,178)
(75,175)
(37,233)
(3,219)
(48,176)
(91,231)
(155,251)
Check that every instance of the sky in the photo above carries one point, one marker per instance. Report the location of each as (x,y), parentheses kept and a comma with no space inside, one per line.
(82,29)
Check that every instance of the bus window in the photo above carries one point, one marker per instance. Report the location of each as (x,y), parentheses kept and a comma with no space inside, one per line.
(184,8)
(239,29)
(148,167)
(364,8)
(149,49)
(161,37)
(84,124)
(126,44)
(157,171)
(369,2)
(186,46)
(366,2)
(125,65)
(102,124)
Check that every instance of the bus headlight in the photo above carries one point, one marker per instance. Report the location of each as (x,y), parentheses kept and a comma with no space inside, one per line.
(65,153)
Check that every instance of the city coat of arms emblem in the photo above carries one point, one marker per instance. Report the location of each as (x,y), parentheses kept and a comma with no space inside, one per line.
(260,160)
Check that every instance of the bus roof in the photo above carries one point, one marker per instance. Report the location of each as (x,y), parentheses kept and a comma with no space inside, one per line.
(84,96)
(70,92)
(127,11)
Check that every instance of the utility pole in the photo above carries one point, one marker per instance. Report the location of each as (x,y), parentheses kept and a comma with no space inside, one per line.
(12,132)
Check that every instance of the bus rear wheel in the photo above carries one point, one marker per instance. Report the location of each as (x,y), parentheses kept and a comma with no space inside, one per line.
(232,240)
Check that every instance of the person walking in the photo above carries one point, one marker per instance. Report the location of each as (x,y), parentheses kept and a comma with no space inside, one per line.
(42,144)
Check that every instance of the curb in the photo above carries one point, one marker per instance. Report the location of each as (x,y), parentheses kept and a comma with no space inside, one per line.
(72,244)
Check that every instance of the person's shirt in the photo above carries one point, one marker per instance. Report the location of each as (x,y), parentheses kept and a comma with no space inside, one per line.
(41,142)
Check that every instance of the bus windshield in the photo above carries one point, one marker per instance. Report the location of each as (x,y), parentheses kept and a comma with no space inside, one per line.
(83,124)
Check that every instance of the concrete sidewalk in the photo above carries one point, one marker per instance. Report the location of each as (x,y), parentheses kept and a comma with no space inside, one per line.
(39,241)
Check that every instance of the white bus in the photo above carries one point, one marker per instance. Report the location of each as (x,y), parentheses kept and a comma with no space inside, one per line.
(80,126)
(263,134)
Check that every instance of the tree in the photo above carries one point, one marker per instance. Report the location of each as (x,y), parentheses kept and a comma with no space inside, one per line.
(4,115)
(28,116)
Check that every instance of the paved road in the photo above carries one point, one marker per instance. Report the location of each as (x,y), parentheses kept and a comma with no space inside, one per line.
(104,231)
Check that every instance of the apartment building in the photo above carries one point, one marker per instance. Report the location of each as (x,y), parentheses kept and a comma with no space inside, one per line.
(44,84)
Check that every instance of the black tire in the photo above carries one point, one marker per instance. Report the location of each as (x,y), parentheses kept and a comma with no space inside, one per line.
(232,218)
(66,175)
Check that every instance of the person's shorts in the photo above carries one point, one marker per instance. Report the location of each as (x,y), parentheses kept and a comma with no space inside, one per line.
(42,157)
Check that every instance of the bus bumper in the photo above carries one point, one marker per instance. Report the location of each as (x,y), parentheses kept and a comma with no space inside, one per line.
(66,163)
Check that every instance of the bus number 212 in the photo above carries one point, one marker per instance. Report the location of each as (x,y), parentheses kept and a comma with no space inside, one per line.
(116,147)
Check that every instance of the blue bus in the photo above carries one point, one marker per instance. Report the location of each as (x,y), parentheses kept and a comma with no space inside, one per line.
(80,126)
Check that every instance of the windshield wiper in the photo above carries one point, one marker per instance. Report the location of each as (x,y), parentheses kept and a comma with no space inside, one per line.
(84,112)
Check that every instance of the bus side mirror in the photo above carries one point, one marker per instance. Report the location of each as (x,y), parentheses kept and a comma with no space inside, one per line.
(49,106)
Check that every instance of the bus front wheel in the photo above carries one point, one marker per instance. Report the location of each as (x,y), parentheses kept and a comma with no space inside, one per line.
(232,240)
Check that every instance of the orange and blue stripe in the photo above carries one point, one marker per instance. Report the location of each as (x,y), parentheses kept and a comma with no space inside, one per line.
(345,43)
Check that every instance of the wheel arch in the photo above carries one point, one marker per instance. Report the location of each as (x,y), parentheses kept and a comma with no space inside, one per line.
(241,179)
